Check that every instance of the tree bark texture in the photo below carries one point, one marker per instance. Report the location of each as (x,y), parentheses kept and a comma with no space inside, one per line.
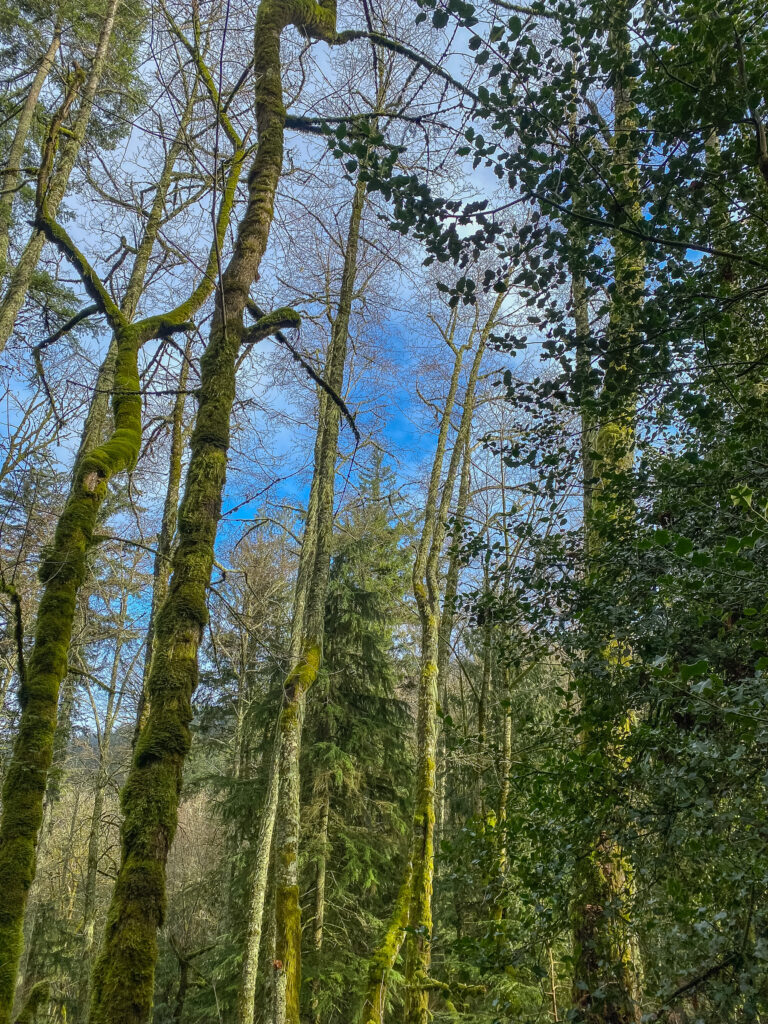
(62,574)
(605,978)
(304,673)
(124,973)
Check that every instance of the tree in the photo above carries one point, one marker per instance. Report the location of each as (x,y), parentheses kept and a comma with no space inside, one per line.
(130,946)
(63,568)
(356,756)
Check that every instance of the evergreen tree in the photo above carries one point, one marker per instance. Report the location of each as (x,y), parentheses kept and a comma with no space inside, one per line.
(357,752)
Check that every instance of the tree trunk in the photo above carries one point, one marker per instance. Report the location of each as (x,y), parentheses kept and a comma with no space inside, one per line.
(304,674)
(269,813)
(420,918)
(317,925)
(505,767)
(427,593)
(62,574)
(11,176)
(124,974)
(485,692)
(258,891)
(444,645)
(603,956)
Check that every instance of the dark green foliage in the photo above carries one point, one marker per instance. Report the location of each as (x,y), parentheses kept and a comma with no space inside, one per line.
(356,751)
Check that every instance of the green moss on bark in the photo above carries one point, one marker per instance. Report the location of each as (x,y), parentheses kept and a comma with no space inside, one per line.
(605,977)
(604,983)
(123,978)
(62,573)
(383,960)
(37,998)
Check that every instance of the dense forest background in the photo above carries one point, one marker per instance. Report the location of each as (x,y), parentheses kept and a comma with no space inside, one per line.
(383,511)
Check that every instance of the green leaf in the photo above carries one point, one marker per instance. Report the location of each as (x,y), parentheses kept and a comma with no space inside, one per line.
(698,668)
(742,495)
(684,546)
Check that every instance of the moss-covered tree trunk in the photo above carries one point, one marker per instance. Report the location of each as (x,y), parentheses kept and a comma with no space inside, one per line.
(63,571)
(96,430)
(321,865)
(258,893)
(11,174)
(162,561)
(505,674)
(447,619)
(387,952)
(426,589)
(62,574)
(304,674)
(605,976)
(124,974)
(486,678)
(16,292)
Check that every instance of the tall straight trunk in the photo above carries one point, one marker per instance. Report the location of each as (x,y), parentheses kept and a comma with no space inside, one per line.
(510,558)
(427,593)
(258,891)
(320,872)
(383,960)
(448,615)
(321,862)
(485,693)
(605,976)
(62,574)
(124,973)
(261,854)
(304,673)
(11,175)
(502,809)
(18,286)
(444,643)
(94,836)
(162,561)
